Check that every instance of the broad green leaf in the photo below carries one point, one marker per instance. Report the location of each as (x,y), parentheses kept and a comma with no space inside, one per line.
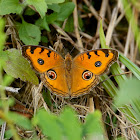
(29,12)
(93,127)
(48,124)
(40,6)
(30,34)
(129,92)
(52,17)
(43,23)
(19,67)
(65,10)
(19,120)
(130,65)
(69,27)
(54,1)
(71,125)
(54,7)
(8,134)
(10,6)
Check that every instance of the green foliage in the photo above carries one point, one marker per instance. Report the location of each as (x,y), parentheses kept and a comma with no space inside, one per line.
(130,65)
(93,126)
(15,61)
(129,91)
(68,126)
(71,126)
(129,94)
(29,33)
(124,84)
(65,10)
(40,6)
(8,134)
(19,120)
(54,7)
(10,6)
(42,23)
(54,1)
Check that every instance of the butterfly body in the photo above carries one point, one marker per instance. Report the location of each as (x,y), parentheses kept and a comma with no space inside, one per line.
(70,77)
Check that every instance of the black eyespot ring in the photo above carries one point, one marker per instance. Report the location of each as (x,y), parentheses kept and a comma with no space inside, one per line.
(40,61)
(87,75)
(98,64)
(51,74)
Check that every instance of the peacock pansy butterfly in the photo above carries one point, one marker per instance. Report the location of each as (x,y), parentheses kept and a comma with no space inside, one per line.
(70,77)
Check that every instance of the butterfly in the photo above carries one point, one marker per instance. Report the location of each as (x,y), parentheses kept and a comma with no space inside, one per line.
(70,77)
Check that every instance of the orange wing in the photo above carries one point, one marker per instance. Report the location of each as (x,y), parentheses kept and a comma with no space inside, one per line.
(91,63)
(96,61)
(59,85)
(41,58)
(51,67)
(79,85)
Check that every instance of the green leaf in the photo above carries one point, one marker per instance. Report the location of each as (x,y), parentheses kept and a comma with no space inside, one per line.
(47,98)
(54,7)
(18,67)
(52,17)
(10,6)
(48,124)
(40,6)
(69,27)
(116,70)
(43,23)
(93,127)
(54,1)
(19,120)
(129,95)
(65,10)
(44,39)
(29,12)
(30,34)
(130,65)
(71,125)
(129,91)
(8,134)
